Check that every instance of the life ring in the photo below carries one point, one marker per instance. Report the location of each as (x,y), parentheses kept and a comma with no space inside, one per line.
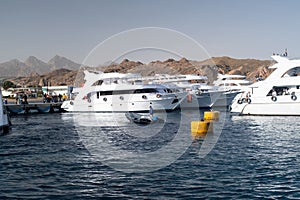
(240,101)
(89,100)
(274,98)
(71,102)
(144,97)
(294,97)
(158,95)
(248,100)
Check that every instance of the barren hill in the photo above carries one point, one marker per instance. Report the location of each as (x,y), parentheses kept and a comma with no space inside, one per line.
(251,68)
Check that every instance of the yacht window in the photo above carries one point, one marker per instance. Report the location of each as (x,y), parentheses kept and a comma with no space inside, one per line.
(119,92)
(98,94)
(103,93)
(99,82)
(279,91)
(292,72)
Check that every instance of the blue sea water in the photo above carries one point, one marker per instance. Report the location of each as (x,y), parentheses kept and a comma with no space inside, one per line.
(46,156)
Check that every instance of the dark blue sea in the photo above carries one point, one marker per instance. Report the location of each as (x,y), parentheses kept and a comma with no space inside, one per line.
(62,156)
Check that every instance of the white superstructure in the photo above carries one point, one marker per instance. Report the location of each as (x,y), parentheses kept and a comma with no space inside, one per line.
(232,82)
(278,94)
(116,92)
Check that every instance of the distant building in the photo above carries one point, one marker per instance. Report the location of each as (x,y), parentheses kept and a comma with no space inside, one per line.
(56,90)
(11,92)
(8,92)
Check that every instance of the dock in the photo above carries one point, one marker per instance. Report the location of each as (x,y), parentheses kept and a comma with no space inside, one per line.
(34,108)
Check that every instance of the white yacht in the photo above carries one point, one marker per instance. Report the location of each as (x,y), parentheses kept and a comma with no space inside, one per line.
(116,92)
(233,83)
(4,119)
(200,93)
(278,94)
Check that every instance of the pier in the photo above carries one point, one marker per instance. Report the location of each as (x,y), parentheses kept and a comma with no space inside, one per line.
(34,108)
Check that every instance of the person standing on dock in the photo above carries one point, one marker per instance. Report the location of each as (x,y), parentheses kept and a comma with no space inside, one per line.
(59,97)
(20,99)
(25,99)
(17,98)
(64,97)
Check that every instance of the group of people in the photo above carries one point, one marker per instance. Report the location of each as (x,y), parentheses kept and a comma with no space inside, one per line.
(21,98)
(54,98)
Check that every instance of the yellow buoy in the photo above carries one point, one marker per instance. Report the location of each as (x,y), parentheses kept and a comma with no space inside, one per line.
(211,115)
(200,128)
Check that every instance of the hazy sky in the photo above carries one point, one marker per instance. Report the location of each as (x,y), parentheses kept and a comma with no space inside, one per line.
(72,28)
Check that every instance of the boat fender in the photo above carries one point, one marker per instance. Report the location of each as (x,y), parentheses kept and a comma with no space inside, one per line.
(89,100)
(144,97)
(240,101)
(189,98)
(121,97)
(274,98)
(104,99)
(248,100)
(294,97)
(158,95)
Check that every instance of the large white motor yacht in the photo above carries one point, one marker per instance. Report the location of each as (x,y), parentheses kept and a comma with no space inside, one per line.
(278,94)
(116,92)
(200,93)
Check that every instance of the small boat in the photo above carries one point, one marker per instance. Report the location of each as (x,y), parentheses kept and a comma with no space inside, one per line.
(4,118)
(142,119)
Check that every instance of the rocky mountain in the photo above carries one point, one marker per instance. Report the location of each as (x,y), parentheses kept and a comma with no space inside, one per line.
(251,68)
(58,62)
(16,68)
(35,65)
(12,68)
(56,77)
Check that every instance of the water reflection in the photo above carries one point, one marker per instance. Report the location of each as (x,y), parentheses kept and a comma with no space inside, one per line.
(130,147)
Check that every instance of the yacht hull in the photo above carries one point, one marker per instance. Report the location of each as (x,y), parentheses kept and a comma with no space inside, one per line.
(279,109)
(134,106)
(4,129)
(197,101)
(225,99)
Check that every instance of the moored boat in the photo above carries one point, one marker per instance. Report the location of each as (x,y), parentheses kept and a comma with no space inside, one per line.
(142,118)
(278,94)
(200,94)
(116,92)
(4,118)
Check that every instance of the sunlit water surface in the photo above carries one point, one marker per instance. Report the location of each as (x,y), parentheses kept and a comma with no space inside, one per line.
(54,157)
